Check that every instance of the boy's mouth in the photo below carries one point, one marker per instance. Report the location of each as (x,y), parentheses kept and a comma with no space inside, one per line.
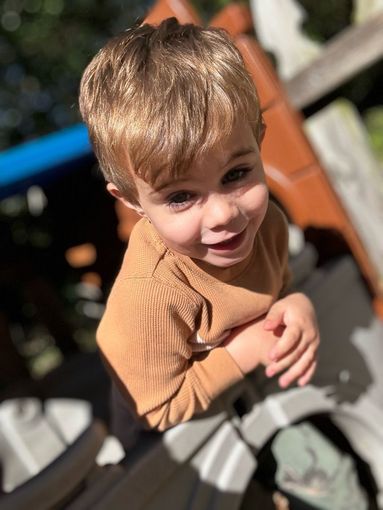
(230,244)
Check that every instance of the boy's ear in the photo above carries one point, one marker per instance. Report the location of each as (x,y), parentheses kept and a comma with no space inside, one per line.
(116,193)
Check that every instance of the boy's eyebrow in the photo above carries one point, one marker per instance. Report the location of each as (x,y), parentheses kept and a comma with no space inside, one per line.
(166,183)
(240,152)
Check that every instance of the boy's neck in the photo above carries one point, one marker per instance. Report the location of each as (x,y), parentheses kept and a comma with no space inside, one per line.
(224,274)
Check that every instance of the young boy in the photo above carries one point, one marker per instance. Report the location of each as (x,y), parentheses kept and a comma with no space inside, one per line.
(175,123)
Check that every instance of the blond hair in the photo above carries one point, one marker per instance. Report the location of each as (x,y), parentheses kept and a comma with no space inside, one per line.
(156,97)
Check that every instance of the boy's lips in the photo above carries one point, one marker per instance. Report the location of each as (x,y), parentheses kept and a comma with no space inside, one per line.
(230,244)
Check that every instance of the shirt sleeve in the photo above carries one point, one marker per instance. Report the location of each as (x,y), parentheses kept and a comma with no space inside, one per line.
(144,338)
(284,257)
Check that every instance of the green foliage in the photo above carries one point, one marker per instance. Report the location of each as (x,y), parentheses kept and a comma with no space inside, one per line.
(207,8)
(326,19)
(44,47)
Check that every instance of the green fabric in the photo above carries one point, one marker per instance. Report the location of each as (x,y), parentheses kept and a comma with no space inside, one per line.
(311,468)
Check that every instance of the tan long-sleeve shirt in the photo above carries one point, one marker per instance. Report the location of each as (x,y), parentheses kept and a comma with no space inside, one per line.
(166,318)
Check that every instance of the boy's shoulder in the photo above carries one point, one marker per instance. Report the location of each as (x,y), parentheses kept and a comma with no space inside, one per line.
(275,221)
(147,257)
(144,252)
(149,271)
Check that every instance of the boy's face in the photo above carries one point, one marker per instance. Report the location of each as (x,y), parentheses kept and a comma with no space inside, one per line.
(214,212)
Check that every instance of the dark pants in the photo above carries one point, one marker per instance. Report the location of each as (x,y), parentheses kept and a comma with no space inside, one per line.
(125,425)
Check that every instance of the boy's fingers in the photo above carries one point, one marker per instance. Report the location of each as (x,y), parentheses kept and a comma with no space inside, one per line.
(285,362)
(298,369)
(290,338)
(302,381)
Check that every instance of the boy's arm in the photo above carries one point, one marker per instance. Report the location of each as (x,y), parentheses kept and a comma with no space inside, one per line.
(144,338)
(250,345)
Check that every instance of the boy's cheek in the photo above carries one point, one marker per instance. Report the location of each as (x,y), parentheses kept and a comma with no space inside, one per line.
(177,235)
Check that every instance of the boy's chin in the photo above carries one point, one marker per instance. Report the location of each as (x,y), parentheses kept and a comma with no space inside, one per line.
(225,262)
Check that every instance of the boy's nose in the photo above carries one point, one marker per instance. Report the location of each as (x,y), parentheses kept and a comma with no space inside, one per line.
(220,210)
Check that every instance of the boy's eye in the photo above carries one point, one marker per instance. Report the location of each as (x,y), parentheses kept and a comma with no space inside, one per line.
(179,199)
(236,174)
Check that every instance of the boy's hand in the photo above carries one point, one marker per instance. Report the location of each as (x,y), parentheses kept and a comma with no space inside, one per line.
(293,319)
(250,345)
